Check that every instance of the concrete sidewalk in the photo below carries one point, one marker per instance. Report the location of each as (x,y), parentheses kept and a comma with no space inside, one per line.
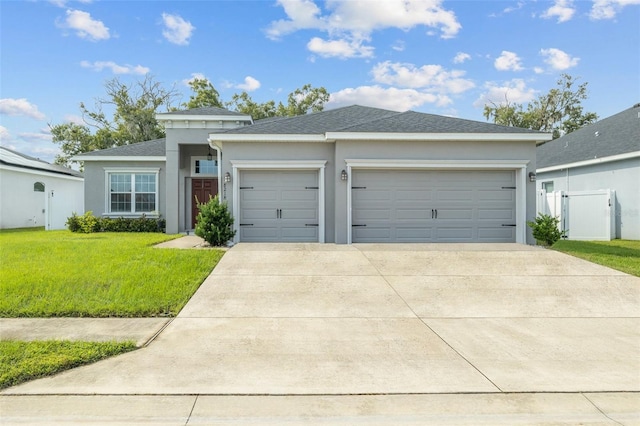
(372,334)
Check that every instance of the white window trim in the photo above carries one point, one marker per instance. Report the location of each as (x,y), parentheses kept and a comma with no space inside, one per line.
(519,166)
(203,175)
(238,166)
(107,192)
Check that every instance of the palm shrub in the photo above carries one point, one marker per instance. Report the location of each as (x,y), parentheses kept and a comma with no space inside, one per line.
(214,222)
(545,229)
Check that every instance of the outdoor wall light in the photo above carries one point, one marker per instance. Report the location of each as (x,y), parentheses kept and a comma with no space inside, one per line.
(532,177)
(344,175)
(209,155)
(227,177)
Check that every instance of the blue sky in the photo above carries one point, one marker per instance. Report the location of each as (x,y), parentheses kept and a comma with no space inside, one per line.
(441,57)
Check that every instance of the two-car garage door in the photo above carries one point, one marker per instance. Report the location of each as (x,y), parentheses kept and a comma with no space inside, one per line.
(433,206)
(387,205)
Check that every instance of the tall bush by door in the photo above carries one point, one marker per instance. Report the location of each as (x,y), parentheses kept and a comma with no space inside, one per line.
(214,223)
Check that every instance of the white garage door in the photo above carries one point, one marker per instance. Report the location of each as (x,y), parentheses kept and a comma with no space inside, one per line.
(278,206)
(433,206)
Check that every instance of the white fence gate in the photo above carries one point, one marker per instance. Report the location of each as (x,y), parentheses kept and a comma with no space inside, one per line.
(584,215)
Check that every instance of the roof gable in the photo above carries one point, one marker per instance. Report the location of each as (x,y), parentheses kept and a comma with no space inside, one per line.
(615,135)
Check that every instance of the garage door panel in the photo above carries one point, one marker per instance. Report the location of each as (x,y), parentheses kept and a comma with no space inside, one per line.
(496,214)
(433,205)
(279,204)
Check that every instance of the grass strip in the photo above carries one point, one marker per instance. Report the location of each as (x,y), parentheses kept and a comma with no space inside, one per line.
(65,274)
(23,361)
(623,255)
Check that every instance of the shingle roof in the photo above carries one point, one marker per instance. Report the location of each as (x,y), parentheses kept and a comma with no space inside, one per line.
(618,134)
(153,148)
(16,159)
(204,111)
(362,119)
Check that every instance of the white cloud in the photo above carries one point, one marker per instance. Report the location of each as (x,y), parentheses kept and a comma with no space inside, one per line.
(42,136)
(538,70)
(398,46)
(63,3)
(389,98)
(432,78)
(115,68)
(176,29)
(558,60)
(75,119)
(16,107)
(562,9)
(85,26)
(352,21)
(342,49)
(608,9)
(515,91)
(250,84)
(461,57)
(5,136)
(508,61)
(194,76)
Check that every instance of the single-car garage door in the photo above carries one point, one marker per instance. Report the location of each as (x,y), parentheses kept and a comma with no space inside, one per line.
(278,205)
(433,206)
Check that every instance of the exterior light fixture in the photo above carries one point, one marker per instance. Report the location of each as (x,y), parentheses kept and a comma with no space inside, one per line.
(227,177)
(344,175)
(532,177)
(209,156)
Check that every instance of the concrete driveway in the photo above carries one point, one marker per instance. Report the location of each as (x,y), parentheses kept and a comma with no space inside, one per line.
(475,333)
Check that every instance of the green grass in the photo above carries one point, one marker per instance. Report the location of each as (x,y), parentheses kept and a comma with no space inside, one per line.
(60,273)
(623,255)
(22,361)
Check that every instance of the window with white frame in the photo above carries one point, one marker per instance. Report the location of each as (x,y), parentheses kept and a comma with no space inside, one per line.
(200,166)
(132,192)
(547,186)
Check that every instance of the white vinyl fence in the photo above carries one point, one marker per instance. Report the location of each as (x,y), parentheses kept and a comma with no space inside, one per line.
(584,215)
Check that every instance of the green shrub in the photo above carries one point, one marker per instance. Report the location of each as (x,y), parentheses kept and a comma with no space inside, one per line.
(73,223)
(89,223)
(214,222)
(545,229)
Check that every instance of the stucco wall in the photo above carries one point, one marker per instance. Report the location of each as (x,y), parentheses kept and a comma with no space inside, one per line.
(95,196)
(22,207)
(620,176)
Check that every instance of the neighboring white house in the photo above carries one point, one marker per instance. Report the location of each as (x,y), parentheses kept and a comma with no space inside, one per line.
(35,193)
(590,178)
(348,175)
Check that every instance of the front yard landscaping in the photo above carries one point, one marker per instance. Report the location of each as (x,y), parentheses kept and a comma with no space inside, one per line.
(65,274)
(623,255)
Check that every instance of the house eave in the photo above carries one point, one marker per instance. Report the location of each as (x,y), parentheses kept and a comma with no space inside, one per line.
(119,158)
(216,138)
(484,137)
(584,163)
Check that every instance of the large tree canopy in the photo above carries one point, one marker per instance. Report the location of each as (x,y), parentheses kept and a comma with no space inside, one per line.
(135,107)
(559,111)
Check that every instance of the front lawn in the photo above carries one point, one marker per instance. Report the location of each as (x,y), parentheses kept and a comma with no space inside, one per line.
(623,255)
(60,273)
(23,361)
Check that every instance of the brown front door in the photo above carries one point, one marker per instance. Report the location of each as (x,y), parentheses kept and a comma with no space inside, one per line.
(201,190)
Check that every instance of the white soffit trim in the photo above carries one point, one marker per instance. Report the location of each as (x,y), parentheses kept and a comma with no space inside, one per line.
(435,164)
(591,162)
(200,118)
(116,158)
(40,172)
(485,137)
(285,164)
(238,137)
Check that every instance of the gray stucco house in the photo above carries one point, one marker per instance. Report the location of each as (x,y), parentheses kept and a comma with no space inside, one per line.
(352,174)
(602,156)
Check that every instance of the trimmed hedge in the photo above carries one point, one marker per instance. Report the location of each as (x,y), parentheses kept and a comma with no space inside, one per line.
(88,223)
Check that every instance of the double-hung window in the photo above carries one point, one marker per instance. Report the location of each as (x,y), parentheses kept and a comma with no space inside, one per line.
(132,192)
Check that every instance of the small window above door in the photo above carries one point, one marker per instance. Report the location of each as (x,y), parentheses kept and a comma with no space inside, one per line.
(200,166)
